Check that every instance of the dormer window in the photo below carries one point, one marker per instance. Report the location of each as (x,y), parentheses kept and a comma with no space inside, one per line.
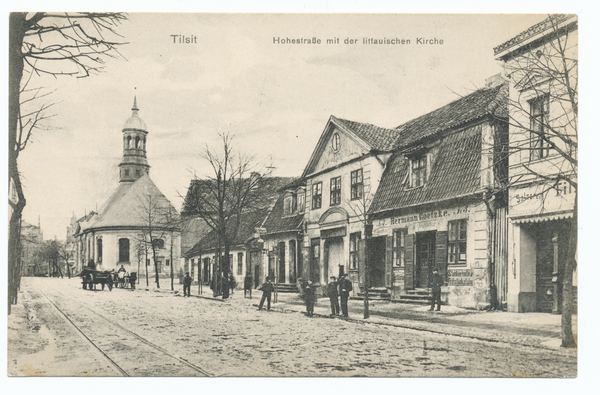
(300,197)
(287,205)
(418,171)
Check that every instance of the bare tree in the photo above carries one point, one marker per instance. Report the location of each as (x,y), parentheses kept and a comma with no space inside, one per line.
(543,120)
(360,208)
(54,44)
(159,219)
(232,188)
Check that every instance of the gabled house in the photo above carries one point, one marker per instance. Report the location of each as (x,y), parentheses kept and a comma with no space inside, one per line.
(341,177)
(283,234)
(205,251)
(541,65)
(441,204)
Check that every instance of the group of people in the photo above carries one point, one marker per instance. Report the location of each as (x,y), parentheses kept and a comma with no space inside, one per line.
(337,291)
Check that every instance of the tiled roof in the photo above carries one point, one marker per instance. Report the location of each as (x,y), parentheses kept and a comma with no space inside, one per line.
(534,30)
(268,191)
(277,223)
(455,172)
(128,206)
(380,139)
(482,102)
(249,221)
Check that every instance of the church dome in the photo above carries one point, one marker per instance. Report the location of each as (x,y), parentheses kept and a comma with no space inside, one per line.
(135,122)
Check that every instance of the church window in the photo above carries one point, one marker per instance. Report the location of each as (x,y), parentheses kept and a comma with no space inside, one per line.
(158,243)
(126,172)
(128,141)
(137,142)
(137,172)
(123,250)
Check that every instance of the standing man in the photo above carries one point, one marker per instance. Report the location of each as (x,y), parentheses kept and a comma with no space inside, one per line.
(332,292)
(436,287)
(248,284)
(187,283)
(345,289)
(266,288)
(309,295)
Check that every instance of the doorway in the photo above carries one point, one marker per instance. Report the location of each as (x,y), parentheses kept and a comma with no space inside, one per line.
(377,261)
(335,257)
(425,259)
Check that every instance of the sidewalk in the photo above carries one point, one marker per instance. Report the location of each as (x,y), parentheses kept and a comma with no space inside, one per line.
(540,330)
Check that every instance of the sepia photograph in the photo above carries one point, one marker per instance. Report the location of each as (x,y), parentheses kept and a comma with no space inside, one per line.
(293,195)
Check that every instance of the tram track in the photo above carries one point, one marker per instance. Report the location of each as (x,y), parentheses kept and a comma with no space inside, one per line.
(113,356)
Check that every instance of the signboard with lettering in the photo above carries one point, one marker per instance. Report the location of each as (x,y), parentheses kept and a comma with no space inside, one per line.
(460,277)
(424,216)
(541,198)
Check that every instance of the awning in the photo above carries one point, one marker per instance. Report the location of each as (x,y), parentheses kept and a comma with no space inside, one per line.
(534,218)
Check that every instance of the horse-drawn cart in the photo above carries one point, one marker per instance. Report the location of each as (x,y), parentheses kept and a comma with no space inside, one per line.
(90,277)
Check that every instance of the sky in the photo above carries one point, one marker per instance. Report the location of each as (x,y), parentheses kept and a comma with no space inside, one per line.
(274,98)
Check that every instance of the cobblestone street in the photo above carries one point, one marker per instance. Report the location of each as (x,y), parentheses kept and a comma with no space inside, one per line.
(63,330)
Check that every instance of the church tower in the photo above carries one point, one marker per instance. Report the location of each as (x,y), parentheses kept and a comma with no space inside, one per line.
(134,163)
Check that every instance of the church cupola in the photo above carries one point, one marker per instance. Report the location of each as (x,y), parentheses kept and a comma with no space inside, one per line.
(134,163)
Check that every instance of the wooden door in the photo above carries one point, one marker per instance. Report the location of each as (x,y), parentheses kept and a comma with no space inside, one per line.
(376,262)
(544,288)
(425,258)
(409,262)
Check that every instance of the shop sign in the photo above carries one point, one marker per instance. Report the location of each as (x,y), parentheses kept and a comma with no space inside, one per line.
(541,198)
(460,277)
(425,216)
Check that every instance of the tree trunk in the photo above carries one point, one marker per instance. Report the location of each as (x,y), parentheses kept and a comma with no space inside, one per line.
(367,280)
(172,263)
(225,268)
(17,27)
(568,340)
(155,264)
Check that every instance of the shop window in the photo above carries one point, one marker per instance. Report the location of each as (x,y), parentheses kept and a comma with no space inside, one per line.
(354,238)
(240,263)
(457,242)
(418,167)
(538,136)
(356,184)
(398,247)
(123,250)
(317,193)
(335,191)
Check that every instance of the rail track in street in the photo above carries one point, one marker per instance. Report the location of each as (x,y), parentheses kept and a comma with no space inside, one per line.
(128,353)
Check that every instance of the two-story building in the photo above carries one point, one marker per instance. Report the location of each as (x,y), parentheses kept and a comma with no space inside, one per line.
(440,204)
(341,178)
(541,66)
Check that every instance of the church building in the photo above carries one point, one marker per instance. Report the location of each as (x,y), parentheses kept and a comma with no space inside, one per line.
(137,226)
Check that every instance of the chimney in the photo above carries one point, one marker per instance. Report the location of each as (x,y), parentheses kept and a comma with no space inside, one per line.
(494,81)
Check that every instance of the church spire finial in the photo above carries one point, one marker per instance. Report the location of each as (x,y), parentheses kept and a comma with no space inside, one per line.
(135,107)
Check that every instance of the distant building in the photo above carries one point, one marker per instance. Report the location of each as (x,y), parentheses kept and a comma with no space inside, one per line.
(136,217)
(32,238)
(543,159)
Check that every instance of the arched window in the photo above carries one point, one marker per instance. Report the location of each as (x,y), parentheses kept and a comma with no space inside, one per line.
(144,144)
(137,142)
(123,250)
(99,249)
(158,243)
(128,141)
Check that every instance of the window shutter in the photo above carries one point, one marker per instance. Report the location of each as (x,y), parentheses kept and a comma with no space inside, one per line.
(409,261)
(361,262)
(388,261)
(441,251)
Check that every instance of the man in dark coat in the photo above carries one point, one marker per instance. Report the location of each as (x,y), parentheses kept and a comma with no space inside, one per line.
(345,289)
(436,290)
(309,297)
(248,284)
(187,283)
(266,288)
(332,292)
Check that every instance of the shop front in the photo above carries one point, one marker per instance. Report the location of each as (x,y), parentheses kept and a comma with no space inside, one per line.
(452,238)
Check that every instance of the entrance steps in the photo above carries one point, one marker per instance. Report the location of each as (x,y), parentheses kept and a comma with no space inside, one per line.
(375,293)
(417,295)
(287,288)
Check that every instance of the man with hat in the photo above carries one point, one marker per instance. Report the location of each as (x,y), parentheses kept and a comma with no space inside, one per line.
(345,289)
(436,287)
(187,283)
